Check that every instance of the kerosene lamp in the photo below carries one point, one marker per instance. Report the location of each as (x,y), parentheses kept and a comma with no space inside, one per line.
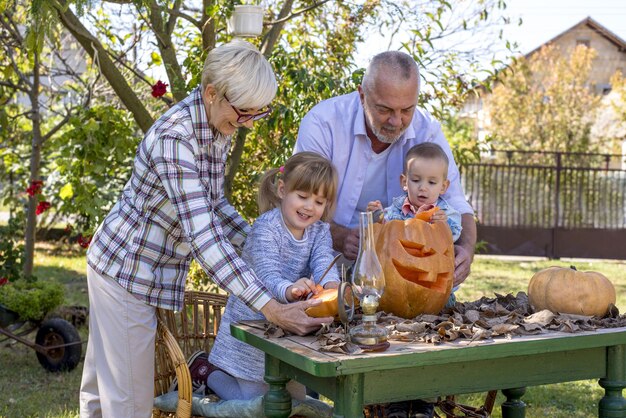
(368,285)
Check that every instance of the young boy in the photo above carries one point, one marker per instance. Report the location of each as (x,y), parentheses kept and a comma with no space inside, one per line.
(424,181)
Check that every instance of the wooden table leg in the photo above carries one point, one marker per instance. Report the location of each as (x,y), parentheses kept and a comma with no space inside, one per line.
(349,402)
(613,404)
(513,407)
(277,399)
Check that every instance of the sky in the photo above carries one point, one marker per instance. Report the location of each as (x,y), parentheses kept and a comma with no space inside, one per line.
(542,21)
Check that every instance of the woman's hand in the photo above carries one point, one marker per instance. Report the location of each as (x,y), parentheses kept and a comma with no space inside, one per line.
(292,316)
(300,289)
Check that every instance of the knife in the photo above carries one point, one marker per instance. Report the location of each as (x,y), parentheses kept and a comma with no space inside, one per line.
(330,266)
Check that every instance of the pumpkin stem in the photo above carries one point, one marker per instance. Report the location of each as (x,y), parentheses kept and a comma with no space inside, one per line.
(573,268)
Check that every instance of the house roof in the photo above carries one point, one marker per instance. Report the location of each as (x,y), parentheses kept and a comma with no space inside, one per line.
(601,30)
(613,38)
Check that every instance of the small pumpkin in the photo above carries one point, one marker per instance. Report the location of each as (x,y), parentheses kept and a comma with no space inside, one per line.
(417,258)
(567,290)
(427,214)
(328,307)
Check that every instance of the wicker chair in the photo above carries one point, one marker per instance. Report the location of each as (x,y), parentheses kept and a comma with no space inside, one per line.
(179,334)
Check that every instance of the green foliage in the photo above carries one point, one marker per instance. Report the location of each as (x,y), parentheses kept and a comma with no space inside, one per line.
(546,102)
(314,59)
(462,139)
(31,299)
(92,162)
(197,279)
(317,64)
(11,250)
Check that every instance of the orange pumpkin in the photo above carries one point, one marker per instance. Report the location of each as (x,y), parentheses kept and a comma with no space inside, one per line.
(418,263)
(328,307)
(426,215)
(566,290)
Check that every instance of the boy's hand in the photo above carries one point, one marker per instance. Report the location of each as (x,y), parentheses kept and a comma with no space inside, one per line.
(377,209)
(439,215)
(374,206)
(300,289)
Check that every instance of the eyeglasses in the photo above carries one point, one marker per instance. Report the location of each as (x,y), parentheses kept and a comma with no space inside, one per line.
(245,117)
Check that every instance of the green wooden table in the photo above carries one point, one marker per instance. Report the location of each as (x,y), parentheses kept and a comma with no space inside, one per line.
(419,370)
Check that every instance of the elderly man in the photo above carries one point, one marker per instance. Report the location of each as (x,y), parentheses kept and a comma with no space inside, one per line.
(366,134)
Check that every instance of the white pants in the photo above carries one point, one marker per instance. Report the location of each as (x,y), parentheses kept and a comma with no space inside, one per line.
(118,374)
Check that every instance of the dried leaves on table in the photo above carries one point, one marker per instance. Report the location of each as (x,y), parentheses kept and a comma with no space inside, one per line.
(502,316)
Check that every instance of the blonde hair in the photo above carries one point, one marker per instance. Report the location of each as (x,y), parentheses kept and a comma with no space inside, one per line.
(307,172)
(239,70)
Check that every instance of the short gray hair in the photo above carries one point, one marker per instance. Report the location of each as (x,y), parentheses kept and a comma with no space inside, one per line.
(396,64)
(238,70)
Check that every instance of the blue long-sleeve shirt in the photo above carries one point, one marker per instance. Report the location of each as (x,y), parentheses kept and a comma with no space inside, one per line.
(279,260)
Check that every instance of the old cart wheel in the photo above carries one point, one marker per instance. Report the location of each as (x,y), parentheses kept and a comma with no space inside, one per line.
(57,331)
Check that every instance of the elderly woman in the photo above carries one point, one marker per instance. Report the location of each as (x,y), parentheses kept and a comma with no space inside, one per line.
(173,209)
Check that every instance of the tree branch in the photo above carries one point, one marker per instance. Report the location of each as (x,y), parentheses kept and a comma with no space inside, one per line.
(13,86)
(100,57)
(270,39)
(168,51)
(283,19)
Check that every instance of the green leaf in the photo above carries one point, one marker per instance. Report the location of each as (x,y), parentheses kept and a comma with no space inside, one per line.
(66,192)
(156,58)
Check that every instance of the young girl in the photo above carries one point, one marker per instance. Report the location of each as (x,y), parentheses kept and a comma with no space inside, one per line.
(288,248)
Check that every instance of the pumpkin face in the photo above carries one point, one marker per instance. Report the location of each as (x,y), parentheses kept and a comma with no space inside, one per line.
(566,290)
(418,263)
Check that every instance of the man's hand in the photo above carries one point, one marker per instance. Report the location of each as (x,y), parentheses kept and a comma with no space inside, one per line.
(462,264)
(345,240)
(291,317)
(464,249)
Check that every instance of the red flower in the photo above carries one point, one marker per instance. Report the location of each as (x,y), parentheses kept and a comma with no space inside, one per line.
(3,281)
(84,241)
(42,207)
(35,188)
(159,89)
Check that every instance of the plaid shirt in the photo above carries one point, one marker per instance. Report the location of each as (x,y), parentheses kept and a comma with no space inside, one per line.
(172,209)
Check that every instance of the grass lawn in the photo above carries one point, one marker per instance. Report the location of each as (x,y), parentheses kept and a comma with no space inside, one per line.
(27,390)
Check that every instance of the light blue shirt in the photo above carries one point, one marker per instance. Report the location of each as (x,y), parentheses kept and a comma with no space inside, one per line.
(335,128)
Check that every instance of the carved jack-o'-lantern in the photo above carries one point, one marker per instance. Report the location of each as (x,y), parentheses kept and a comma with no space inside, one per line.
(418,262)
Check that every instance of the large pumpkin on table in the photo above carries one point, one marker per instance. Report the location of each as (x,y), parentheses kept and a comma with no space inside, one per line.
(418,263)
(566,290)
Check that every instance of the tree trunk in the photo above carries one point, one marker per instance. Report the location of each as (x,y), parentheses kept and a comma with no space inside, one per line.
(240,141)
(35,161)
(233,161)
(168,52)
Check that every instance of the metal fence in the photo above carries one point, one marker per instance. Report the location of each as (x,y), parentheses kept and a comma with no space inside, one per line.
(513,190)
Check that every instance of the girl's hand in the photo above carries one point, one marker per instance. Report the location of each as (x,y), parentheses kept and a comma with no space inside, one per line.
(331,285)
(438,216)
(300,289)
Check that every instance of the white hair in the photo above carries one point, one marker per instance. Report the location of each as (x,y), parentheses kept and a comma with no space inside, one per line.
(238,70)
(395,64)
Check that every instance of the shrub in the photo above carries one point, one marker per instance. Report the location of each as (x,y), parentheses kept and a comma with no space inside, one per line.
(31,299)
